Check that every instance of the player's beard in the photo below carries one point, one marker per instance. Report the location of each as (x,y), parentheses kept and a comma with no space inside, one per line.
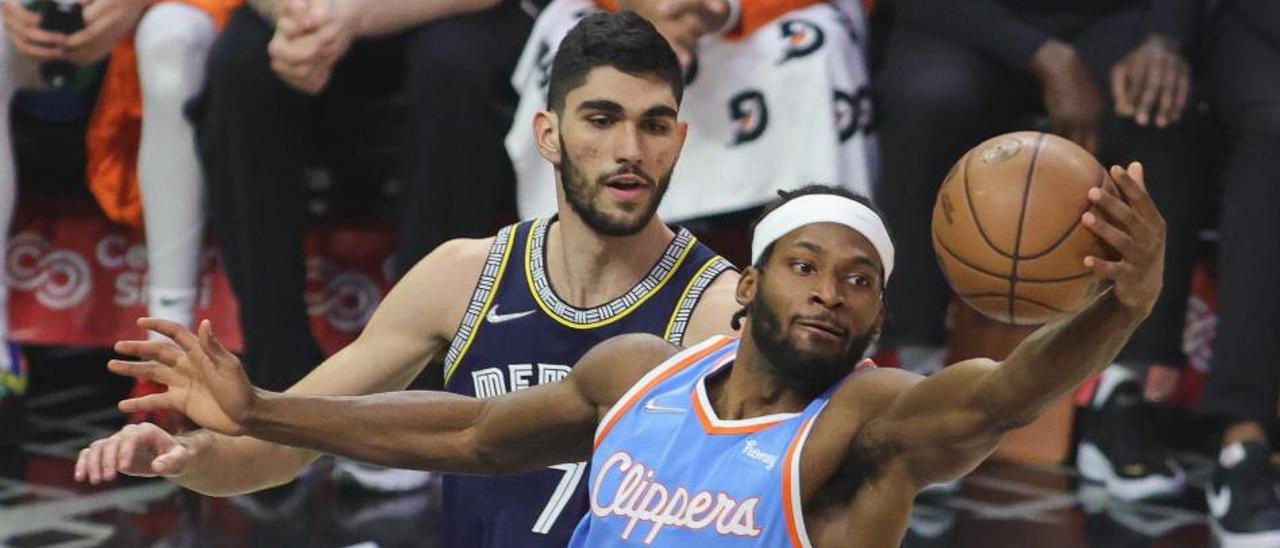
(808,371)
(582,196)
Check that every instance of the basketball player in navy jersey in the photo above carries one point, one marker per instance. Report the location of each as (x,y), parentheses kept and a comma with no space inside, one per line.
(517,310)
(782,438)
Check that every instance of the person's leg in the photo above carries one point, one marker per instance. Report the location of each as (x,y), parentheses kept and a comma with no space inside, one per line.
(1243,388)
(16,70)
(1243,80)
(1242,385)
(172,42)
(460,107)
(1117,445)
(937,100)
(250,141)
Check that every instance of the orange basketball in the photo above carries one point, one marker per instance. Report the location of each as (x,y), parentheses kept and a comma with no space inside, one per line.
(1007,230)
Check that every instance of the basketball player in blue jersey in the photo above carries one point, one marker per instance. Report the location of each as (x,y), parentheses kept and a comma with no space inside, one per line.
(784,437)
(518,310)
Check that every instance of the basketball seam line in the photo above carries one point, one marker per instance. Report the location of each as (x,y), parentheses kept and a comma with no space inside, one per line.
(1070,229)
(961,260)
(1022,218)
(1024,299)
(977,222)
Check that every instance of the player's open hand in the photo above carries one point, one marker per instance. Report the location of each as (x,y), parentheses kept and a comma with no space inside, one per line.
(206,381)
(1130,224)
(143,449)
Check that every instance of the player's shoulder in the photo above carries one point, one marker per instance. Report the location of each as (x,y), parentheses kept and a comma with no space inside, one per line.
(462,251)
(452,260)
(610,368)
(873,388)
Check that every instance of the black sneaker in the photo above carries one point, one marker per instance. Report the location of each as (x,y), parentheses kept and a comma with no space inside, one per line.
(1242,498)
(1118,448)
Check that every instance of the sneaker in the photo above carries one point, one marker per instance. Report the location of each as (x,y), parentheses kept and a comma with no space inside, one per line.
(377,478)
(1243,502)
(1118,447)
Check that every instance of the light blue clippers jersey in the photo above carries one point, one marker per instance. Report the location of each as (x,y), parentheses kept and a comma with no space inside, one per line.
(666,471)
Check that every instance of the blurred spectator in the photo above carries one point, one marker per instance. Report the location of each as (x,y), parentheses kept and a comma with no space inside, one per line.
(776,96)
(269,81)
(157,53)
(1242,81)
(1111,75)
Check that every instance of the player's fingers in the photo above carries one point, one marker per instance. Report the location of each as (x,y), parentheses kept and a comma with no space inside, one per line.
(93,462)
(81,465)
(150,402)
(149,370)
(1113,207)
(1168,92)
(1151,87)
(46,39)
(126,452)
(109,450)
(1111,234)
(174,330)
(296,13)
(1132,186)
(171,462)
(212,346)
(1110,270)
(159,351)
(38,52)
(1119,91)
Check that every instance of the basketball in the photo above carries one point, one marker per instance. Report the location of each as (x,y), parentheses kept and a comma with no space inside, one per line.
(1007,230)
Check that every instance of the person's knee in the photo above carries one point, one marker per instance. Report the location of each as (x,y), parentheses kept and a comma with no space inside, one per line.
(447,49)
(172,42)
(934,88)
(238,58)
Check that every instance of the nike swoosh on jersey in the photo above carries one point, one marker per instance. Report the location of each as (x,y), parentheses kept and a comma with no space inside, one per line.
(653,407)
(495,317)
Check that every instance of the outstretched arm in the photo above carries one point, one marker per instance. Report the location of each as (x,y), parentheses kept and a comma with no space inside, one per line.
(517,432)
(946,424)
(390,352)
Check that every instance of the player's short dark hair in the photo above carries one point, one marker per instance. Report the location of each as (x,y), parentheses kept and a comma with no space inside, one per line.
(622,40)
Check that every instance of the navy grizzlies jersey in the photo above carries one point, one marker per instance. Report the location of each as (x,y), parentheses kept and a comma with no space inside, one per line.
(518,333)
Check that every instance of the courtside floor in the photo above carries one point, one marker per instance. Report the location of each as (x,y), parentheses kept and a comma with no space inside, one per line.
(72,403)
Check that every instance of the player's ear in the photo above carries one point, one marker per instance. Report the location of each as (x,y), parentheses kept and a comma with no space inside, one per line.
(747,286)
(546,134)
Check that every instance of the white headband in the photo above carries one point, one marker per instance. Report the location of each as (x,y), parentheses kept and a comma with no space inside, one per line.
(823,208)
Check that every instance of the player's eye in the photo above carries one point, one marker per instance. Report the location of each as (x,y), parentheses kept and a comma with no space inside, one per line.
(656,126)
